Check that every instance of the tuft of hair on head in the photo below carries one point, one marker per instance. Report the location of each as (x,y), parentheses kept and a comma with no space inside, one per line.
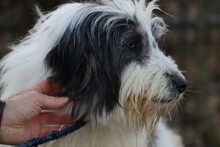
(40,13)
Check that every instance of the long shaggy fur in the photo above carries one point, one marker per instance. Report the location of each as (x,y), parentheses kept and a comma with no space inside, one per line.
(105,57)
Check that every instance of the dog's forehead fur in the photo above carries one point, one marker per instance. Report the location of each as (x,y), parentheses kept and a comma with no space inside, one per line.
(137,10)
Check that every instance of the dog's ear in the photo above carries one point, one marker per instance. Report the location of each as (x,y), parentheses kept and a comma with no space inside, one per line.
(158,27)
(67,64)
(85,71)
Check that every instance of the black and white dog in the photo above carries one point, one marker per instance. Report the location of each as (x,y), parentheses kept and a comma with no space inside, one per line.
(106,57)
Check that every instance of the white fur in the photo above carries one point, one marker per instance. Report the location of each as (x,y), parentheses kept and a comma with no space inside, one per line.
(24,67)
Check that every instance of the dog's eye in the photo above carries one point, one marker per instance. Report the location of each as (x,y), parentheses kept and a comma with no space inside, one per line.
(132,41)
(131,45)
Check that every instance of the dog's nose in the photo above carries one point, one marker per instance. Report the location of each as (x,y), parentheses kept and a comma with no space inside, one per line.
(179,82)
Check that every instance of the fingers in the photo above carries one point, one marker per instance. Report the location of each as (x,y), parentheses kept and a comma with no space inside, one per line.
(48,87)
(49,102)
(50,122)
(51,118)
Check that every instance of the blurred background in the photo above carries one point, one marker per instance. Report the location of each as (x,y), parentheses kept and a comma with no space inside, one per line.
(193,41)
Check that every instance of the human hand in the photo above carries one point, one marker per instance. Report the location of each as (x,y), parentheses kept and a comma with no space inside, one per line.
(22,117)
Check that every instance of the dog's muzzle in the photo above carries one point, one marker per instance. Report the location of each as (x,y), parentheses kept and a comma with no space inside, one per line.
(176,88)
(179,82)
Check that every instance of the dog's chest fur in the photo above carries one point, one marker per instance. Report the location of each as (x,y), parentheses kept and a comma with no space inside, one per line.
(90,136)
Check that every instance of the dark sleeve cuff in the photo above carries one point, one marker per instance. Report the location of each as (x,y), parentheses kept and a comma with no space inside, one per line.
(2,106)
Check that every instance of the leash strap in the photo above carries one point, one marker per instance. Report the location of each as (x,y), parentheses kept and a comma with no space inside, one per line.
(54,135)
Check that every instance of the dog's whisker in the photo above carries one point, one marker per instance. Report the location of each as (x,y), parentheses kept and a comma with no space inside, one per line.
(183,71)
(192,91)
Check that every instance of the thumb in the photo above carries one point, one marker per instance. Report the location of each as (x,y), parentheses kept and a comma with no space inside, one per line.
(50,102)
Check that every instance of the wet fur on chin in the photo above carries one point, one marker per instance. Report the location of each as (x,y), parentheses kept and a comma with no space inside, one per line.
(106,58)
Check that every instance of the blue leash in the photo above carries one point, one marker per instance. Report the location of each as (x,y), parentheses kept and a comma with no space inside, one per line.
(54,135)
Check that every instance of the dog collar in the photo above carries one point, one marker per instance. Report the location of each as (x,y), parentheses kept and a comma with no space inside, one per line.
(54,135)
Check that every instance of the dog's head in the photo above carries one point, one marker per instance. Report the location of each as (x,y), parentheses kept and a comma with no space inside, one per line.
(106,57)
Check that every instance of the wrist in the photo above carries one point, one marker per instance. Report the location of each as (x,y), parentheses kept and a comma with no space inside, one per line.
(2,106)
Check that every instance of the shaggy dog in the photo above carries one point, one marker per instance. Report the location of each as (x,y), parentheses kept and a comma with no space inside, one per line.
(106,57)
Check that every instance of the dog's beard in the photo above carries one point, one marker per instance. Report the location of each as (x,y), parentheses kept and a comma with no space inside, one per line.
(141,112)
